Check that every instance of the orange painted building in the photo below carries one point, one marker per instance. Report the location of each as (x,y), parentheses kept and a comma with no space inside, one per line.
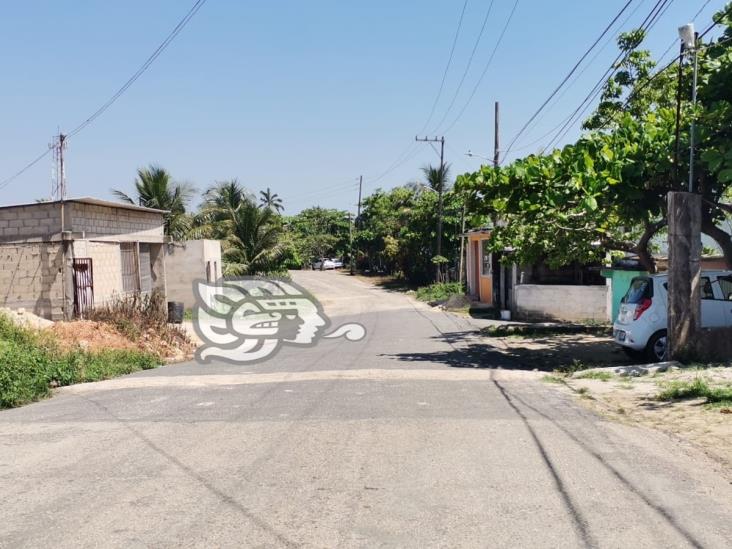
(479,263)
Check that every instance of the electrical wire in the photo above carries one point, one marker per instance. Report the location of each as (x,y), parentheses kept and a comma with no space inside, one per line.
(150,60)
(410,150)
(447,68)
(568,76)
(5,182)
(467,67)
(485,69)
(171,36)
(648,23)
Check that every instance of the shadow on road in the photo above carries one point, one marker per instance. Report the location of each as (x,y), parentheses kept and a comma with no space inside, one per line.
(544,354)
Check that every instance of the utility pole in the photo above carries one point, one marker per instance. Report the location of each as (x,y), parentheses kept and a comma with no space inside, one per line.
(496,151)
(355,222)
(677,150)
(441,141)
(58,193)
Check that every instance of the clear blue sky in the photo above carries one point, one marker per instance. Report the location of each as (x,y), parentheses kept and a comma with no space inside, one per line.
(298,96)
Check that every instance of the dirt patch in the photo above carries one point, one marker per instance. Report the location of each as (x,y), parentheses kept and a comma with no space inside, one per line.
(635,401)
(97,336)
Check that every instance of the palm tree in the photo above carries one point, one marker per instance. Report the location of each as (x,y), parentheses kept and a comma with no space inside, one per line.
(156,189)
(271,201)
(437,178)
(253,245)
(220,203)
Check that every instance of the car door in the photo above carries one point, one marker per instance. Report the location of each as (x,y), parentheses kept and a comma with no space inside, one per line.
(713,307)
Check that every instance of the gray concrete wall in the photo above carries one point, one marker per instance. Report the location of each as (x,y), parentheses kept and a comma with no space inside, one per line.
(42,222)
(35,221)
(115,224)
(561,302)
(30,277)
(185,262)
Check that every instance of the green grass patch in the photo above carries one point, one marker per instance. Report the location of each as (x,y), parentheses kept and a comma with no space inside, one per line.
(719,396)
(602,376)
(552,379)
(439,292)
(31,364)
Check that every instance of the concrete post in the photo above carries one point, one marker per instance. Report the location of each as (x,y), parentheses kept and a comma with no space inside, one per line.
(684,271)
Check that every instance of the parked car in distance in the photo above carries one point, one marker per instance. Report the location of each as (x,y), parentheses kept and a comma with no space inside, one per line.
(323,264)
(642,322)
(337,262)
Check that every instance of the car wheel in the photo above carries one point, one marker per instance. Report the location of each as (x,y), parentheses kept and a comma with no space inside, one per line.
(657,347)
(634,354)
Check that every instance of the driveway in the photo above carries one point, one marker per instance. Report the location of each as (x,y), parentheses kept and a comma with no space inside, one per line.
(416,436)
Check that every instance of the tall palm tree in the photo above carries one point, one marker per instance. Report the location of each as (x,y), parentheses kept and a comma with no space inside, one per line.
(156,189)
(271,201)
(253,245)
(437,178)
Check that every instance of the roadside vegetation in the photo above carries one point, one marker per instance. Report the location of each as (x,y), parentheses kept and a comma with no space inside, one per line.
(699,387)
(34,362)
(439,292)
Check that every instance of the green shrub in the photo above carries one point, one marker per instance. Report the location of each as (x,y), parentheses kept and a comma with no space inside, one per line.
(30,364)
(440,291)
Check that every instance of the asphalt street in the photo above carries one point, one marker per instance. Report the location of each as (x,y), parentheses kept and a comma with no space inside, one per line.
(419,435)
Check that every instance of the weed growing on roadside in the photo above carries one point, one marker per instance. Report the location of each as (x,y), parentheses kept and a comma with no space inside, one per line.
(31,364)
(716,397)
(602,376)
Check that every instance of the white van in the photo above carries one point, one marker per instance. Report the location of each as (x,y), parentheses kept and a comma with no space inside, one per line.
(642,321)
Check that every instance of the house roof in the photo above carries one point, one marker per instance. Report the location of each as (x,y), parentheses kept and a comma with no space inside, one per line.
(93,202)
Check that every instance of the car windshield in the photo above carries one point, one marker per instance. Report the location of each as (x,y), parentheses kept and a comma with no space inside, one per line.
(640,288)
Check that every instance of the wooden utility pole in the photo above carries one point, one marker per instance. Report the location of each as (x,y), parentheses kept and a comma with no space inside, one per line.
(684,272)
(441,141)
(496,151)
(355,222)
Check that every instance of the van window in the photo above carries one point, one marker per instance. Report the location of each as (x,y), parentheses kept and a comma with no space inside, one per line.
(725,284)
(640,288)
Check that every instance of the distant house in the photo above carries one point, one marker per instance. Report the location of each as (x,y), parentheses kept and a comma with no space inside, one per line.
(188,262)
(534,292)
(61,258)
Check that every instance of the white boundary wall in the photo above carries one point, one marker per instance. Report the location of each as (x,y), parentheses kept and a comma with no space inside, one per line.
(561,302)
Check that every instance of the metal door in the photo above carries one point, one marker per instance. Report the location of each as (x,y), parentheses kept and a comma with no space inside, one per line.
(83,286)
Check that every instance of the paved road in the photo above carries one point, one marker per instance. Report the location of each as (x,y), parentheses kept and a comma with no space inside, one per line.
(409,438)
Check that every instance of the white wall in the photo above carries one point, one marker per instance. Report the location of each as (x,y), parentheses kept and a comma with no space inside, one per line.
(561,302)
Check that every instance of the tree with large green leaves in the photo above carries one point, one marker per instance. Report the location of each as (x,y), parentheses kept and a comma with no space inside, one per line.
(608,190)
(155,188)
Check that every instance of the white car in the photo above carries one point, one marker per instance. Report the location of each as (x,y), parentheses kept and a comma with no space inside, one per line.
(324,264)
(643,318)
(338,263)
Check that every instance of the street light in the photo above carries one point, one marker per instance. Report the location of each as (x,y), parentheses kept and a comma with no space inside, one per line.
(688,43)
(471,155)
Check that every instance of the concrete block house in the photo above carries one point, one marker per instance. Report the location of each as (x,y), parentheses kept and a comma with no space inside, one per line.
(534,292)
(61,258)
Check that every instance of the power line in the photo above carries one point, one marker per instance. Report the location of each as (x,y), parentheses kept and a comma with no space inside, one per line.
(150,60)
(411,149)
(485,69)
(574,80)
(568,76)
(171,36)
(447,68)
(651,19)
(467,67)
(27,167)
